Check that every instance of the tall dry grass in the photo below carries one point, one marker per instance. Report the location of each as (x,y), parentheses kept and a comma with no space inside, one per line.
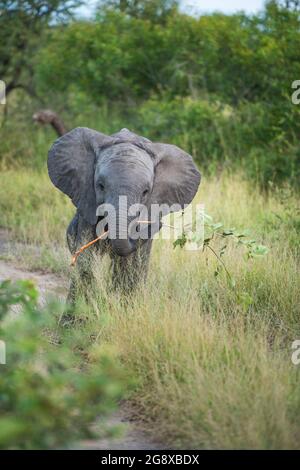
(212,362)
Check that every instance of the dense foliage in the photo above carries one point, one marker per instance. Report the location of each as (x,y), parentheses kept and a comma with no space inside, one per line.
(234,58)
(21,25)
(49,394)
(218,85)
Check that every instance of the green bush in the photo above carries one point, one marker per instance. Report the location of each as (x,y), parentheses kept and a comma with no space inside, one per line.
(49,395)
(219,135)
(219,85)
(260,138)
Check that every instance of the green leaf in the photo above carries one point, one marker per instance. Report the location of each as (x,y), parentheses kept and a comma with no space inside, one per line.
(181,241)
(259,250)
(216,226)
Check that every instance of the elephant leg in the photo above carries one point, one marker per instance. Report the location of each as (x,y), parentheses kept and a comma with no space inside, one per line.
(79,233)
(130,271)
(72,233)
(80,286)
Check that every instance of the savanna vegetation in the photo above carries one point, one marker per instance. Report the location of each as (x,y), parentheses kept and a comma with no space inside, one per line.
(46,384)
(203,358)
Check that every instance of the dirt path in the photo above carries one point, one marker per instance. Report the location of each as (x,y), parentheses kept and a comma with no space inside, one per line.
(133,437)
(47,284)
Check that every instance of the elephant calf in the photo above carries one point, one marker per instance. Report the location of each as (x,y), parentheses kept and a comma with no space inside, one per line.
(96,170)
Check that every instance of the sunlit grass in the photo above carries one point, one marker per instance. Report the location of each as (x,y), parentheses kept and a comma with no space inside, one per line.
(32,208)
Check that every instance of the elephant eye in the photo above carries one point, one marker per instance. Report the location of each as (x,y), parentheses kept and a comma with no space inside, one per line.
(145,192)
(101,187)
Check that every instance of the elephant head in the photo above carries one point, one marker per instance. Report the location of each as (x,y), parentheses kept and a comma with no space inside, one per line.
(95,169)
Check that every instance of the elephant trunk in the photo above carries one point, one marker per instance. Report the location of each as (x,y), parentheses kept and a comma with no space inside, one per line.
(122,247)
(121,243)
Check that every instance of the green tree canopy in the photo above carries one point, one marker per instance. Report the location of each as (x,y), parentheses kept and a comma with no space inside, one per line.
(21,25)
(153,10)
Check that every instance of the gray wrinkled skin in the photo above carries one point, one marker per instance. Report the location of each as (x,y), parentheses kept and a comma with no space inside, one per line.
(93,169)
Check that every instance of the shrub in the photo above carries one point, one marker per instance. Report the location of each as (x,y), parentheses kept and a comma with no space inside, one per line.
(247,136)
(49,396)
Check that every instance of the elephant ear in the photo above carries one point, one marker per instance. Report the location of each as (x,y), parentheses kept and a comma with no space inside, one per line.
(71,161)
(176,176)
